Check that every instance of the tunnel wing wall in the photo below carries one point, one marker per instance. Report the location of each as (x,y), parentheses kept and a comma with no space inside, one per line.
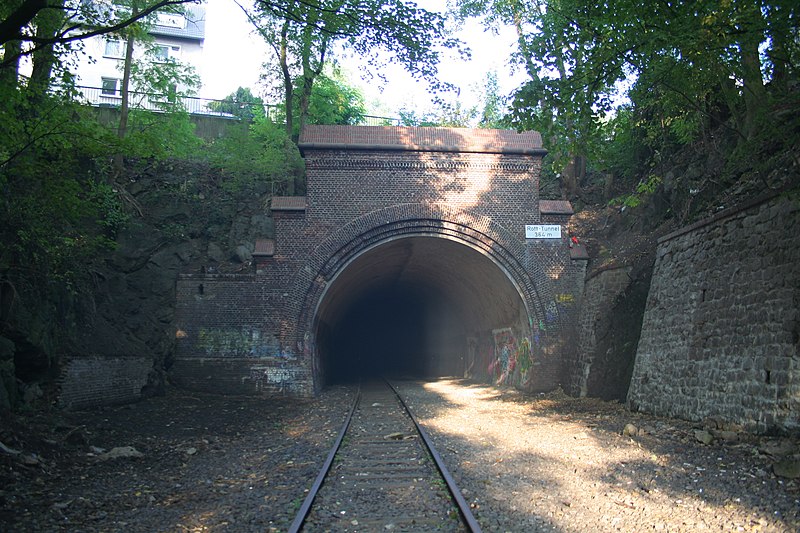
(228,337)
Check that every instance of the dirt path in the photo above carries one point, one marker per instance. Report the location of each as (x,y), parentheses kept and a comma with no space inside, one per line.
(527,463)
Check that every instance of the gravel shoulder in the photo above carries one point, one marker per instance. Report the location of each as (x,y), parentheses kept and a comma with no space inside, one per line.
(208,463)
(555,463)
(525,462)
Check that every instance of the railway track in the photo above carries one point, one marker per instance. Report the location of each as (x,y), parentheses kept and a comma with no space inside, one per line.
(383,474)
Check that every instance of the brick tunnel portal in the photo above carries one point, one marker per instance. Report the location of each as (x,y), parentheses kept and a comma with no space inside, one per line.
(407,306)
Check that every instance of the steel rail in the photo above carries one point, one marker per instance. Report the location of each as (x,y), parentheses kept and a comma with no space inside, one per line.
(302,514)
(452,487)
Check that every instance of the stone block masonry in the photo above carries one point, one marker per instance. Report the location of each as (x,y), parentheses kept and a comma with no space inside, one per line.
(599,293)
(721,329)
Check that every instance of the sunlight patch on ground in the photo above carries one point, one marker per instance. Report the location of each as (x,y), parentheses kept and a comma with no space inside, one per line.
(538,458)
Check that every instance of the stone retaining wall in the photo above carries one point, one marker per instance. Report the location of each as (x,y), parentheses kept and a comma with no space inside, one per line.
(721,327)
(599,293)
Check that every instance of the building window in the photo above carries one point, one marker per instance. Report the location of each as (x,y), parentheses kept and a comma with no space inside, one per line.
(115,48)
(171,20)
(109,87)
(165,52)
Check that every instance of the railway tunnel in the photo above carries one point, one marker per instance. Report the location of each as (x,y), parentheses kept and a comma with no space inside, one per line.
(416,252)
(406,307)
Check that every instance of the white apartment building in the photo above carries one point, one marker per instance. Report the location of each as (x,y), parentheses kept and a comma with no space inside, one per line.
(98,71)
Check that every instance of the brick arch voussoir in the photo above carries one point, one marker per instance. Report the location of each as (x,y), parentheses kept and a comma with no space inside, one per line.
(477,231)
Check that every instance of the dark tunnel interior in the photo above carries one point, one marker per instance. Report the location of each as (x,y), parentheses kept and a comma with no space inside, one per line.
(405,309)
(389,331)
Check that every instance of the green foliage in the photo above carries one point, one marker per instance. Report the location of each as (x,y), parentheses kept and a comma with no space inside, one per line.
(56,214)
(334,101)
(409,34)
(627,83)
(159,136)
(452,112)
(445,114)
(412,117)
(242,103)
(643,189)
(494,113)
(303,34)
(257,155)
(163,82)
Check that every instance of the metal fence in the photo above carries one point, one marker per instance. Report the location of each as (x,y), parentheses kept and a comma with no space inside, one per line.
(99,97)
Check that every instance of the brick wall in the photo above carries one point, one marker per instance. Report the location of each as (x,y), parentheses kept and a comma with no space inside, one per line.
(721,326)
(368,186)
(94,381)
(229,336)
(242,375)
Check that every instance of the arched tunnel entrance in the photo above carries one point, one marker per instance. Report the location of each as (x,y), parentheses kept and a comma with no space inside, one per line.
(407,307)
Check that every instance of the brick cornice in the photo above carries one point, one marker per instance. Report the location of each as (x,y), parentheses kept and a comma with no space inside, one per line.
(350,163)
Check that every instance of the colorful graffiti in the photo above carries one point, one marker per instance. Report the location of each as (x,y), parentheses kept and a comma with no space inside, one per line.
(565,298)
(513,359)
(550,313)
(524,360)
(505,349)
(216,342)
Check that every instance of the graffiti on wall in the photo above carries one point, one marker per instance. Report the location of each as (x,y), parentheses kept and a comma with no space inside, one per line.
(218,342)
(505,348)
(513,358)
(564,299)
(307,347)
(524,360)
(283,376)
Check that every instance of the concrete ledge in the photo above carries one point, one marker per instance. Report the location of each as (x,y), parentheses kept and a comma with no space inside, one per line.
(555,207)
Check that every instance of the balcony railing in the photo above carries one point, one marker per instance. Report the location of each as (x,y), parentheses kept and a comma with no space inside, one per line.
(98,97)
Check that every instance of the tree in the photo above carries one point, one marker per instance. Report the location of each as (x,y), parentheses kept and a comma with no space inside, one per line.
(445,114)
(152,75)
(19,20)
(493,115)
(334,101)
(252,155)
(302,34)
(241,103)
(692,66)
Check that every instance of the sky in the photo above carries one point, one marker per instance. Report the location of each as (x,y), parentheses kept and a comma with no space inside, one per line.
(233,57)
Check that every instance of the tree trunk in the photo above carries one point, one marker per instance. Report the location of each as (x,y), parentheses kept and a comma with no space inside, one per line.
(570,177)
(288,86)
(779,31)
(608,186)
(288,93)
(48,22)
(9,73)
(752,81)
(124,108)
(19,15)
